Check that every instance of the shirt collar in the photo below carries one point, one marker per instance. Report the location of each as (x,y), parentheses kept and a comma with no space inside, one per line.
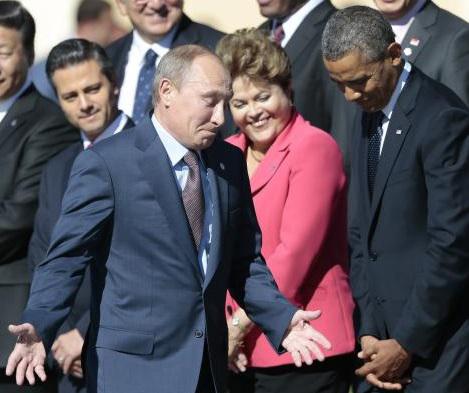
(175,150)
(160,48)
(403,20)
(388,109)
(293,21)
(115,127)
(6,104)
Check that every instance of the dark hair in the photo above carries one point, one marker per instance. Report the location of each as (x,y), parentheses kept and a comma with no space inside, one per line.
(357,28)
(14,16)
(91,10)
(251,53)
(75,51)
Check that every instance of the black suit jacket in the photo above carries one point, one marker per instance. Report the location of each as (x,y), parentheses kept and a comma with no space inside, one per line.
(188,32)
(33,131)
(313,91)
(409,245)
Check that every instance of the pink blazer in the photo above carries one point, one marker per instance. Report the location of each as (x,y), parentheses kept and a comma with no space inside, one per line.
(299,193)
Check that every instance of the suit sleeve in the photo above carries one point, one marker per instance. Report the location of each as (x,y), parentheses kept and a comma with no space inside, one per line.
(455,72)
(76,240)
(316,190)
(17,212)
(444,277)
(251,283)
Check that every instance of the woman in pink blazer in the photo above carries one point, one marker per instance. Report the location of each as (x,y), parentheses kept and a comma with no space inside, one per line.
(299,191)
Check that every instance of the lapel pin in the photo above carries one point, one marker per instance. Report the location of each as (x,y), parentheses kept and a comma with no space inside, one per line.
(222,166)
(398,132)
(408,51)
(414,41)
(13,123)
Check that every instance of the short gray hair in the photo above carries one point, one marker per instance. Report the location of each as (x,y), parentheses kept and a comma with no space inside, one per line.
(175,65)
(357,28)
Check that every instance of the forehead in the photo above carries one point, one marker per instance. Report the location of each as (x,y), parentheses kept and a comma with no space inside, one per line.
(83,73)
(207,73)
(9,37)
(348,66)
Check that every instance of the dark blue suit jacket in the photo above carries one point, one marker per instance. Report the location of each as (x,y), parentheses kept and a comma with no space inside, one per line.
(152,310)
(410,251)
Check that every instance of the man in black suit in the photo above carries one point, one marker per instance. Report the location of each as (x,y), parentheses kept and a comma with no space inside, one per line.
(410,209)
(158,25)
(433,39)
(32,130)
(85,82)
(297,26)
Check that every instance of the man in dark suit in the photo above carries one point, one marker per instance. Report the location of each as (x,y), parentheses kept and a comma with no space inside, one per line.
(158,26)
(297,26)
(410,209)
(85,82)
(162,214)
(32,130)
(433,39)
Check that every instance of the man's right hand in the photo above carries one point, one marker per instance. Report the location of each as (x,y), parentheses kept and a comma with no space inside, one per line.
(28,356)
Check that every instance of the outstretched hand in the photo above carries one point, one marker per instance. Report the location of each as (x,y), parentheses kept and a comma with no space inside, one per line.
(28,356)
(303,341)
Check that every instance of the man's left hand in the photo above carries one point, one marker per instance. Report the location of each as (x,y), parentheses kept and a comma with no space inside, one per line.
(389,361)
(303,341)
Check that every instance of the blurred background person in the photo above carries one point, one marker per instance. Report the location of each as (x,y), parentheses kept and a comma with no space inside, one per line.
(96,23)
(32,130)
(297,26)
(158,26)
(433,39)
(85,81)
(299,192)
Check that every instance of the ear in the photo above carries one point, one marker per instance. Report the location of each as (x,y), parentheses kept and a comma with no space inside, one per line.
(395,52)
(166,92)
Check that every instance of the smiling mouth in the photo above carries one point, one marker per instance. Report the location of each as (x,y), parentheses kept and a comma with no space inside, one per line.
(260,123)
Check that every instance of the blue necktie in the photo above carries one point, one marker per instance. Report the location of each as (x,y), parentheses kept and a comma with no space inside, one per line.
(374,143)
(144,87)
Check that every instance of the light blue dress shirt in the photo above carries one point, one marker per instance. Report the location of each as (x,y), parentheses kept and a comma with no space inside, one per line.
(176,152)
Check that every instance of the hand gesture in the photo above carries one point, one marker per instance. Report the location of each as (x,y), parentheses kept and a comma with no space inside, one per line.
(67,350)
(28,356)
(303,341)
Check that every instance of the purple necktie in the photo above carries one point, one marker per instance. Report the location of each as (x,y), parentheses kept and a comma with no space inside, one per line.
(278,34)
(193,198)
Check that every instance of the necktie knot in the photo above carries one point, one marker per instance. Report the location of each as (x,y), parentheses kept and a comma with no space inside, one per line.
(191,159)
(278,34)
(150,57)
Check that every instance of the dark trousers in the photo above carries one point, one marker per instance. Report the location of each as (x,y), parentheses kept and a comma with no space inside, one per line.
(205,383)
(331,376)
(8,385)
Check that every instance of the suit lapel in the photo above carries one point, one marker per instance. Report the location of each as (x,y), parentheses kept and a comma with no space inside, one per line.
(219,194)
(122,59)
(185,34)
(17,115)
(398,129)
(158,172)
(309,30)
(419,33)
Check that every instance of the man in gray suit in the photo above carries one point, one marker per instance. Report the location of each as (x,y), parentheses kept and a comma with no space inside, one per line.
(163,216)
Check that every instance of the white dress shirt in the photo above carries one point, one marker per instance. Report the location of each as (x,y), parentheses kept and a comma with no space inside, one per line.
(6,104)
(114,128)
(176,152)
(389,108)
(135,61)
(292,22)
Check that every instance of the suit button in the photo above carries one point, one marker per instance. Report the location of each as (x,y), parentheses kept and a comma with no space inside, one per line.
(198,333)
(373,256)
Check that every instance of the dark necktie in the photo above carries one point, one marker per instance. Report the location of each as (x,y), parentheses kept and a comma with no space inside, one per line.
(193,198)
(144,87)
(278,34)
(375,131)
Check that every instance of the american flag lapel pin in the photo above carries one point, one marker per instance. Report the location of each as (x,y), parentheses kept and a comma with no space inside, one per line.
(398,132)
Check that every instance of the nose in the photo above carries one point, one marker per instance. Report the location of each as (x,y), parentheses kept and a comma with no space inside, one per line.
(253,110)
(85,103)
(218,115)
(351,95)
